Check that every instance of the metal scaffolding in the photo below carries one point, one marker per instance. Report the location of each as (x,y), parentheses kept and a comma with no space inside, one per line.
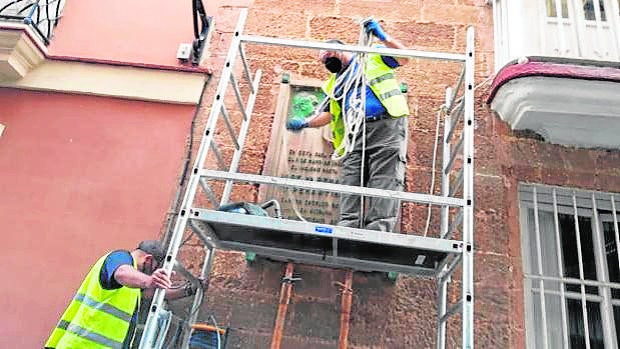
(322,244)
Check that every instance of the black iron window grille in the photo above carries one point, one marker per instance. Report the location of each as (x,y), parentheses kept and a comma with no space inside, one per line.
(41,15)
(570,242)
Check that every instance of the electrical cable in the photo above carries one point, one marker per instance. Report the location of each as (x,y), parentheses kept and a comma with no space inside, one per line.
(199,305)
(217,331)
(202,297)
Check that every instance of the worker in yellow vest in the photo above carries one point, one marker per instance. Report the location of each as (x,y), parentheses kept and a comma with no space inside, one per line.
(383,149)
(103,313)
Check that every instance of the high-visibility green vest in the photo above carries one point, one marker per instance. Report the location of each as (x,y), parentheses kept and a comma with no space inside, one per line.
(96,318)
(382,81)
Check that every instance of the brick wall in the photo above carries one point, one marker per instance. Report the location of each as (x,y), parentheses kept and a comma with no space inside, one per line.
(383,315)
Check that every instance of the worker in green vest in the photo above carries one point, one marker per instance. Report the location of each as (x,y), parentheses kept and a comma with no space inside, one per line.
(103,313)
(378,159)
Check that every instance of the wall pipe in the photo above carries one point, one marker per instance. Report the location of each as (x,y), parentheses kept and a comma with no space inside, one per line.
(345,309)
(285,297)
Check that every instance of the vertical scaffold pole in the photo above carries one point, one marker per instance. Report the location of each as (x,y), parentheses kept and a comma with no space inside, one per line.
(467,319)
(442,283)
(151,327)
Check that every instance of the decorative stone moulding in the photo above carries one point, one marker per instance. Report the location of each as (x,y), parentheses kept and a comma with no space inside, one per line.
(20,51)
(567,102)
(25,63)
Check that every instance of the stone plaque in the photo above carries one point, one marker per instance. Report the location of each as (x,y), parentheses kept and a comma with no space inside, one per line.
(301,155)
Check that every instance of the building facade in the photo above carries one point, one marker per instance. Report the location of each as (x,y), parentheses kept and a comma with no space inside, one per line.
(95,111)
(545,125)
(546,164)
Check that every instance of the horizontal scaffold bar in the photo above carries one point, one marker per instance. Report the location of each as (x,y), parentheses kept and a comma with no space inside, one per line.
(334,188)
(327,260)
(264,40)
(326,230)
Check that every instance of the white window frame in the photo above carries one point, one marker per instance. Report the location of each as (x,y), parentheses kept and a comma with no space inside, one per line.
(578,203)
(522,28)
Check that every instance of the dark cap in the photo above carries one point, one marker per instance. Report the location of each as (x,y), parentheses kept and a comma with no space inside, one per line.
(154,248)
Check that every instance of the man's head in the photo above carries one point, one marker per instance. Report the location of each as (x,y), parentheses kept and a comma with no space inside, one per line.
(149,255)
(335,61)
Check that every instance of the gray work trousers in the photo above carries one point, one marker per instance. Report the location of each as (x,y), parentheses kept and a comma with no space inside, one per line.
(384,168)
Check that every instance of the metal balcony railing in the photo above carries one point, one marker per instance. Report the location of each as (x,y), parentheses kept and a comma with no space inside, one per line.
(41,15)
(202,25)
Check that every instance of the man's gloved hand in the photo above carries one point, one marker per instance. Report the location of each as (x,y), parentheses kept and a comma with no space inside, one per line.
(296,124)
(373,27)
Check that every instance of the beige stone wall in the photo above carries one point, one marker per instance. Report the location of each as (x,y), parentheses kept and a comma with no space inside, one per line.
(402,315)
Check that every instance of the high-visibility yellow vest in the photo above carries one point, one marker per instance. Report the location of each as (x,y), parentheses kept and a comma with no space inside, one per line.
(96,318)
(382,81)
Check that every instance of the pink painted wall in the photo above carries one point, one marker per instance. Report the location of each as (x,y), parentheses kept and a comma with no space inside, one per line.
(140,31)
(79,175)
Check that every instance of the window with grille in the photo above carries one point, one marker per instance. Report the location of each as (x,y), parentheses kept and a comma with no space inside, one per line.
(570,244)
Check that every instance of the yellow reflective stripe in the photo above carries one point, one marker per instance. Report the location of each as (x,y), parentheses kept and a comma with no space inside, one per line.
(381,78)
(104,307)
(91,336)
(389,94)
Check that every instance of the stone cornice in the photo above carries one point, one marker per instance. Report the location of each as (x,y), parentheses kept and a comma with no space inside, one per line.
(19,52)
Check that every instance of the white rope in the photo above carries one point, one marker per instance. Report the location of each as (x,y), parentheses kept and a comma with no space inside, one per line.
(352,86)
(352,97)
(442,108)
(352,83)
(217,331)
(433,168)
